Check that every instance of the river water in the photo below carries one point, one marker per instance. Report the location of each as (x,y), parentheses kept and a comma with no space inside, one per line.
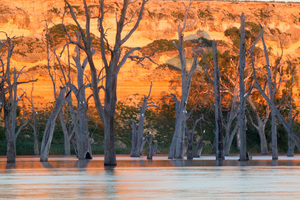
(204,178)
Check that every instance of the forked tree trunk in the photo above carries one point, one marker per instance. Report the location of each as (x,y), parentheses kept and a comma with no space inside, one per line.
(260,126)
(263,141)
(67,149)
(272,82)
(198,149)
(137,137)
(177,145)
(228,143)
(112,67)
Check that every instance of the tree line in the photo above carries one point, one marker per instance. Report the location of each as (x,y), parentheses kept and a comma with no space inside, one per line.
(242,86)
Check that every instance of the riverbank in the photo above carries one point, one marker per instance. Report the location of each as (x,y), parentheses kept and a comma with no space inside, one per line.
(125,161)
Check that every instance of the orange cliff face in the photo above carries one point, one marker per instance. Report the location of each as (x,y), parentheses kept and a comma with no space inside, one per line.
(25,20)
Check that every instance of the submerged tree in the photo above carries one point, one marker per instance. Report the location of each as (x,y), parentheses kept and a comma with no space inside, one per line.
(77,133)
(219,138)
(177,145)
(271,79)
(9,98)
(34,124)
(242,116)
(138,134)
(112,63)
(60,101)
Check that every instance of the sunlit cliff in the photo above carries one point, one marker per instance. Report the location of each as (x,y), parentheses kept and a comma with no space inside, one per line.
(25,20)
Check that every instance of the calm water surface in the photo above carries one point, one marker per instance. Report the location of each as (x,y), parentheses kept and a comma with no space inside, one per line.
(67,178)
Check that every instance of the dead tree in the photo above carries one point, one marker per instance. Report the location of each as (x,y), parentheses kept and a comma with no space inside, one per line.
(230,127)
(219,141)
(9,98)
(190,134)
(199,146)
(80,121)
(291,116)
(67,131)
(49,129)
(137,137)
(177,145)
(150,147)
(271,79)
(34,124)
(112,64)
(60,101)
(260,125)
(242,116)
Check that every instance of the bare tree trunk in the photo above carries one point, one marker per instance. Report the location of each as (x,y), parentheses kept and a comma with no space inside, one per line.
(35,132)
(199,146)
(190,145)
(140,132)
(134,140)
(154,149)
(110,108)
(243,148)
(49,129)
(291,146)
(230,139)
(274,136)
(9,98)
(238,140)
(218,111)
(263,141)
(272,82)
(112,67)
(177,145)
(36,144)
(11,150)
(65,132)
(150,150)
(260,126)
(143,144)
(84,144)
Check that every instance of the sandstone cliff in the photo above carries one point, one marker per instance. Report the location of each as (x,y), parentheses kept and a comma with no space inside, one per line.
(208,19)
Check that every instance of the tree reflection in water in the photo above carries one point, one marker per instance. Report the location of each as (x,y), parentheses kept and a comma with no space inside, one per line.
(67,177)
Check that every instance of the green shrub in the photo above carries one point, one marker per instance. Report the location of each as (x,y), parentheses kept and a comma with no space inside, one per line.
(232,33)
(169,67)
(177,15)
(204,14)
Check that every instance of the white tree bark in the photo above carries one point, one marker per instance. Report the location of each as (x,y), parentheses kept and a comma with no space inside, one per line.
(242,118)
(177,145)
(106,109)
(138,136)
(9,98)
